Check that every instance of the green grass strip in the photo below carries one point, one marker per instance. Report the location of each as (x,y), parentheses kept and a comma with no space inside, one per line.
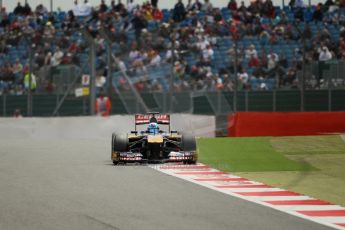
(246,155)
(332,144)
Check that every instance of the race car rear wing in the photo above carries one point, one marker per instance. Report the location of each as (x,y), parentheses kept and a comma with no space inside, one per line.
(142,119)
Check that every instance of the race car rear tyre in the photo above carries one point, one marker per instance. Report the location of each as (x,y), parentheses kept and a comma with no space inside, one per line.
(188,142)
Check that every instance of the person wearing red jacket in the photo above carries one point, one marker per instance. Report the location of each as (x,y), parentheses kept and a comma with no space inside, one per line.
(157,14)
(103,106)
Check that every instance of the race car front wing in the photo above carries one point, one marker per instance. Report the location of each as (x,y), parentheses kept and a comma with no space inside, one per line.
(130,157)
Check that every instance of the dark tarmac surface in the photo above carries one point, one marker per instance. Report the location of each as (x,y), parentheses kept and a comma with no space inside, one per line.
(73,185)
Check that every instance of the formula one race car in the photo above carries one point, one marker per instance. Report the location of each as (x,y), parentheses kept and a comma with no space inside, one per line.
(153,145)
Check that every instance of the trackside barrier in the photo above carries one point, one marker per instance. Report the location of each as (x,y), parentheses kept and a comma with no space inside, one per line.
(247,124)
(96,128)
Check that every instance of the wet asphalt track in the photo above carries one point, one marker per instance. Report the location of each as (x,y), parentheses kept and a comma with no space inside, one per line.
(73,185)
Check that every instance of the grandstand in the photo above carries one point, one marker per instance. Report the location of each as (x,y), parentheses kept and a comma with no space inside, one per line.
(277,48)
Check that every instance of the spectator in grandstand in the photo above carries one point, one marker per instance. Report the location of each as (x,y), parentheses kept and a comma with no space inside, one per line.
(289,79)
(207,6)
(265,38)
(283,61)
(155,59)
(157,14)
(156,86)
(154,3)
(119,6)
(202,43)
(49,31)
(179,13)
(231,52)
(147,12)
(139,23)
(196,6)
(268,9)
(100,82)
(272,60)
(18,10)
(253,61)
(103,7)
(57,57)
(232,5)
(208,53)
(242,9)
(179,70)
(318,14)
(298,3)
(7,78)
(131,6)
(243,79)
(27,9)
(140,85)
(219,83)
(120,64)
(168,55)
(17,70)
(325,54)
(82,10)
(100,45)
(341,3)
(341,50)
(41,10)
(48,59)
(251,51)
(27,81)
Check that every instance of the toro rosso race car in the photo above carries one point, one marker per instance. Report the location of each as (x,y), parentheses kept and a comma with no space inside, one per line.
(152,144)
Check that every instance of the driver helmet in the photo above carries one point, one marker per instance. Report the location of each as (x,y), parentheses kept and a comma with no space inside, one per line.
(153,128)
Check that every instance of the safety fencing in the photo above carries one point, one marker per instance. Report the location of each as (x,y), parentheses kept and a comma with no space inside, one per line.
(213,103)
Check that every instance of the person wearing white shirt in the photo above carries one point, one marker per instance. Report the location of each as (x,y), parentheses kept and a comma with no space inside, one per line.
(203,43)
(272,60)
(156,60)
(76,9)
(131,6)
(251,51)
(57,57)
(133,54)
(243,77)
(85,9)
(122,65)
(168,55)
(208,53)
(207,6)
(325,55)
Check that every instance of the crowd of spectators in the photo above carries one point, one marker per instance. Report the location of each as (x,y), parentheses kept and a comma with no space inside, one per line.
(194,42)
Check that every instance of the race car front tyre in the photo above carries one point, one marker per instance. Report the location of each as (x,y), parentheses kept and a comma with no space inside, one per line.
(188,142)
(119,142)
